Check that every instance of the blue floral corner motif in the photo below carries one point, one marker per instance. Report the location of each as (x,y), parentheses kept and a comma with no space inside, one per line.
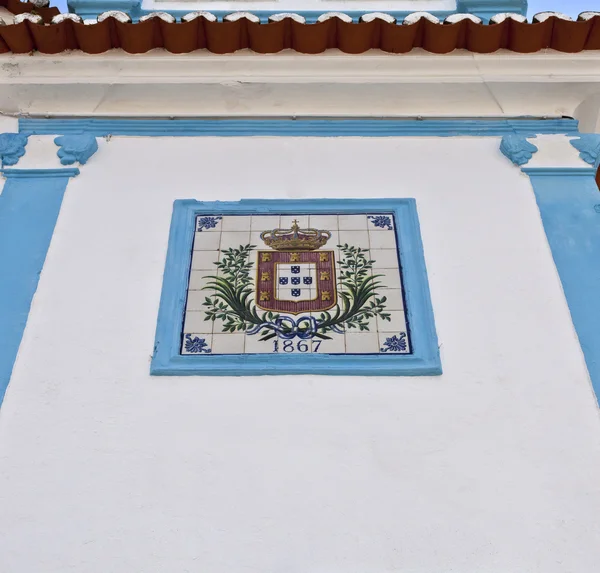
(517,149)
(196,345)
(12,147)
(207,223)
(588,145)
(382,221)
(395,343)
(76,148)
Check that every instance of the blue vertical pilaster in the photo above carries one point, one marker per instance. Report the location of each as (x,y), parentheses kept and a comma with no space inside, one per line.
(29,206)
(569,203)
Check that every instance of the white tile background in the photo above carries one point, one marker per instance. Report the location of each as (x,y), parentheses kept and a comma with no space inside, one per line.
(357,230)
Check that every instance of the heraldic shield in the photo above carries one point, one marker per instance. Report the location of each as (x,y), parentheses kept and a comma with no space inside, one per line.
(294,277)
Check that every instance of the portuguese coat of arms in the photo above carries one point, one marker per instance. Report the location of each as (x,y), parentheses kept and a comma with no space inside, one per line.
(296,286)
(294,277)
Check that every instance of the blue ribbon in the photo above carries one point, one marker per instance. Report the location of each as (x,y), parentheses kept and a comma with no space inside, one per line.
(292,327)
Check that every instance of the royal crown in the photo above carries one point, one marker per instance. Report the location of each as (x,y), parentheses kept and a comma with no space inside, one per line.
(295,239)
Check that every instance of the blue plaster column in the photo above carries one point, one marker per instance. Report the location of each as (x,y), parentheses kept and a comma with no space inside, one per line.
(29,207)
(569,203)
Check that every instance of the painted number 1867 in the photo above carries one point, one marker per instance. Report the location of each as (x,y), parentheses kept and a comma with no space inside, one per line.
(300,346)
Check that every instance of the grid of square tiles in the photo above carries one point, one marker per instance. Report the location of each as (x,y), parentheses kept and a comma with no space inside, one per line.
(360,230)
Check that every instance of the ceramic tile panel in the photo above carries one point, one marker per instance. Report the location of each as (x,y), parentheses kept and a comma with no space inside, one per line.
(228,343)
(233,239)
(390,278)
(378,240)
(362,342)
(384,258)
(239,223)
(259,223)
(204,260)
(355,237)
(195,322)
(195,300)
(352,222)
(327,283)
(207,240)
(329,222)
(196,343)
(393,298)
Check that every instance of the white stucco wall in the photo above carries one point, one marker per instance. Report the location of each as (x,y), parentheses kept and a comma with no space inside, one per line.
(492,467)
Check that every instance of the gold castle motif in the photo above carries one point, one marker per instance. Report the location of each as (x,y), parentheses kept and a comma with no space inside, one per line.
(295,239)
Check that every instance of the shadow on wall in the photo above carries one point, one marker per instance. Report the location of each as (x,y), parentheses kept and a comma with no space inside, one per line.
(588,116)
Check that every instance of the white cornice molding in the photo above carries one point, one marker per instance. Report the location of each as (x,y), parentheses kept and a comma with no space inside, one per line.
(335,67)
(157,83)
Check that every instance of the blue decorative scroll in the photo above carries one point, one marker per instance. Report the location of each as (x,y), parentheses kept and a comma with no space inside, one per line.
(517,148)
(12,147)
(76,148)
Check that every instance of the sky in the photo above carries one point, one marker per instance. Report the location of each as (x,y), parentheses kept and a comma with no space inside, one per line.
(570,7)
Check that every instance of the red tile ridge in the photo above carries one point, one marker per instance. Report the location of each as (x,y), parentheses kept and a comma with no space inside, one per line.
(49,32)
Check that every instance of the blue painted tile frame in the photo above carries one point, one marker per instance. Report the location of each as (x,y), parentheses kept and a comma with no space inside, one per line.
(424,359)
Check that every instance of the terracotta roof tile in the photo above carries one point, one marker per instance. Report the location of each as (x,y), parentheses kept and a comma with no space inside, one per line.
(17,7)
(114,30)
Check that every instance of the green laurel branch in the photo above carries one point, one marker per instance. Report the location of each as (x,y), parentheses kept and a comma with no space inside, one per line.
(232,301)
